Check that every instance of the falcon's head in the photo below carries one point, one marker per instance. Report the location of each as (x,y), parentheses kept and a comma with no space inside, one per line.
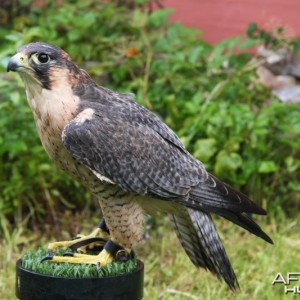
(43,64)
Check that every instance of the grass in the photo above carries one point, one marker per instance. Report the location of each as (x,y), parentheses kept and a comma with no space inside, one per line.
(169,273)
(32,261)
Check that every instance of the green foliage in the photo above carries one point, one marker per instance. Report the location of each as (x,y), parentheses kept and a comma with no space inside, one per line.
(26,173)
(208,94)
(32,261)
(275,39)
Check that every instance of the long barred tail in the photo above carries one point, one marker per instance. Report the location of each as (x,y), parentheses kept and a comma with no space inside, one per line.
(200,240)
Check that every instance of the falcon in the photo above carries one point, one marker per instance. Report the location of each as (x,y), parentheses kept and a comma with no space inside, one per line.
(131,161)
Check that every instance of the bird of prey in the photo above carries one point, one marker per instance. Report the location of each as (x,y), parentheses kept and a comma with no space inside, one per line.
(130,160)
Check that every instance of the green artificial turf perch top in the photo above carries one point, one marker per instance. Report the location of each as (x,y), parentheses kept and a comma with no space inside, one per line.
(32,261)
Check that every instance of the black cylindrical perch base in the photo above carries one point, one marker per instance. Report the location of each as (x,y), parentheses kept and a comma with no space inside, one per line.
(34,286)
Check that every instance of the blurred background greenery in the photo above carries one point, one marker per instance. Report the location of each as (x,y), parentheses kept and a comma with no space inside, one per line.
(209,94)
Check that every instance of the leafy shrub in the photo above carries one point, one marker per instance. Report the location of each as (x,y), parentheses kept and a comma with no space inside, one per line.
(208,94)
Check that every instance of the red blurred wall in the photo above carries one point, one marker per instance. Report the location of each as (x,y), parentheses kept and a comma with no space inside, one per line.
(219,19)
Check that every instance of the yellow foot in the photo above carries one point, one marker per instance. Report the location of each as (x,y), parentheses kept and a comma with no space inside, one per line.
(101,260)
(111,252)
(82,243)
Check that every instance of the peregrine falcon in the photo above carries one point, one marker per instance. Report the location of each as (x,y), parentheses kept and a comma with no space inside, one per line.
(130,160)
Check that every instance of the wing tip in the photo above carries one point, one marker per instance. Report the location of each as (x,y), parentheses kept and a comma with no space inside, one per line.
(234,285)
(231,280)
(259,210)
(266,238)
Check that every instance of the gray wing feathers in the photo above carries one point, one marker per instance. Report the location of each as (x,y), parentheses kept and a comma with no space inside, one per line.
(131,154)
(133,148)
(200,240)
(124,103)
(140,153)
(217,195)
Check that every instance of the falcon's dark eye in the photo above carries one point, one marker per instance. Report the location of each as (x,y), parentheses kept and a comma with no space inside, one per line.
(43,58)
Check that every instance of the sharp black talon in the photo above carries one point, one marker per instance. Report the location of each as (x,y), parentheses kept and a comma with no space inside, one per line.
(68,254)
(85,242)
(49,257)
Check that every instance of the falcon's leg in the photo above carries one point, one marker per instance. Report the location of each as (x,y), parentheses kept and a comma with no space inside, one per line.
(125,218)
(111,252)
(81,243)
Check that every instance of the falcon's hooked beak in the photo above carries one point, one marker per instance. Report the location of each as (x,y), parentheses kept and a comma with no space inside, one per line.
(18,62)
